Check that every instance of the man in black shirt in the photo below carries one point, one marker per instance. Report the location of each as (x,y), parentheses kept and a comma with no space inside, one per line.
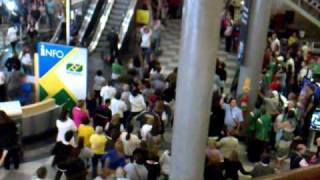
(13,63)
(113,39)
(103,114)
(62,151)
(297,159)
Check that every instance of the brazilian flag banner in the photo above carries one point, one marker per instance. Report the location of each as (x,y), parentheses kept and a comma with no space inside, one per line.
(61,73)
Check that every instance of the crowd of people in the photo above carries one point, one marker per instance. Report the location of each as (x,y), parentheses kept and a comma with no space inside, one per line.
(25,18)
(277,128)
(119,130)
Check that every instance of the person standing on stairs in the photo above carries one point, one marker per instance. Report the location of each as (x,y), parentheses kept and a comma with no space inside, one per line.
(146,37)
(113,39)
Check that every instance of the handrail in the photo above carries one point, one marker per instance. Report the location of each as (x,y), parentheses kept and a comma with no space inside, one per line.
(57,32)
(87,19)
(102,23)
(126,22)
(306,12)
(311,172)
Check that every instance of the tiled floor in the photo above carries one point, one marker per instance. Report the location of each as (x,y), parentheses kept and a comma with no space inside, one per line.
(170,44)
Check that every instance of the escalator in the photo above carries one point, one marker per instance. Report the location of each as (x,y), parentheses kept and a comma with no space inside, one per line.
(93,11)
(117,14)
(309,9)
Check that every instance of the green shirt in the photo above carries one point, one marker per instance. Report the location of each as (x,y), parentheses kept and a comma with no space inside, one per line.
(264,127)
(117,68)
(253,117)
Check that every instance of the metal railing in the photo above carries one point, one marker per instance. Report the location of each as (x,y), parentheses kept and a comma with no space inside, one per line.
(102,23)
(57,32)
(87,19)
(312,7)
(126,22)
(305,9)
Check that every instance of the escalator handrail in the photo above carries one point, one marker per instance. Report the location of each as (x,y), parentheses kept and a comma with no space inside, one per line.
(102,24)
(126,22)
(57,32)
(86,20)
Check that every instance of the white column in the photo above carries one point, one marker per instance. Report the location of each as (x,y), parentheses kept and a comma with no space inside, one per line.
(198,52)
(68,19)
(259,20)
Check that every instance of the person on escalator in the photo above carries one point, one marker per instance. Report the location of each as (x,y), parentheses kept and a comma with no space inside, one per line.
(113,39)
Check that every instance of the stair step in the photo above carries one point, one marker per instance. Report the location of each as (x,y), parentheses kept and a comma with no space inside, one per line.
(119,6)
(116,17)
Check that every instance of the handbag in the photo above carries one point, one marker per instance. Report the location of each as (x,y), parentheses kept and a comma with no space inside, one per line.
(228,31)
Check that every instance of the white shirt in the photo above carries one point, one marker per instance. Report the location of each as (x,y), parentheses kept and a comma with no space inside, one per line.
(12,34)
(64,127)
(2,78)
(274,44)
(136,172)
(118,107)
(137,103)
(108,92)
(145,38)
(145,130)
(129,145)
(165,162)
(290,62)
(98,82)
(26,59)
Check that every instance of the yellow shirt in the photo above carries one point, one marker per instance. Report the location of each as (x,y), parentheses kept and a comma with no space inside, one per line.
(98,143)
(292,40)
(85,131)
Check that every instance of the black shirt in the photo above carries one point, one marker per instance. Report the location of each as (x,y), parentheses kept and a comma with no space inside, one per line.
(232,169)
(13,63)
(62,152)
(9,136)
(213,172)
(35,14)
(113,38)
(102,116)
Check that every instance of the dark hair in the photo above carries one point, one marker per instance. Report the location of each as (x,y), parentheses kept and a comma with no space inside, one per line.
(118,95)
(107,101)
(129,131)
(85,121)
(138,157)
(68,136)
(99,73)
(265,158)
(155,130)
(63,115)
(80,142)
(42,172)
(231,99)
(291,114)
(4,118)
(135,92)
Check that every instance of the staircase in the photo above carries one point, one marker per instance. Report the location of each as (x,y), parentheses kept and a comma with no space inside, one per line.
(310,9)
(118,13)
(170,44)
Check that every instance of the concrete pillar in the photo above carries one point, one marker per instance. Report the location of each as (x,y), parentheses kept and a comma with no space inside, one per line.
(250,70)
(68,22)
(198,52)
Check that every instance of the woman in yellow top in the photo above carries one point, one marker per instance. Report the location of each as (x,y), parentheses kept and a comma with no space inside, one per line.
(85,130)
(292,39)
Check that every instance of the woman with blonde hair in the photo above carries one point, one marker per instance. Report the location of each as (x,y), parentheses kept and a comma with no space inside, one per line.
(232,165)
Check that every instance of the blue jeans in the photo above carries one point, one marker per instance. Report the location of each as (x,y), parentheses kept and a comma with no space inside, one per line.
(147,54)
